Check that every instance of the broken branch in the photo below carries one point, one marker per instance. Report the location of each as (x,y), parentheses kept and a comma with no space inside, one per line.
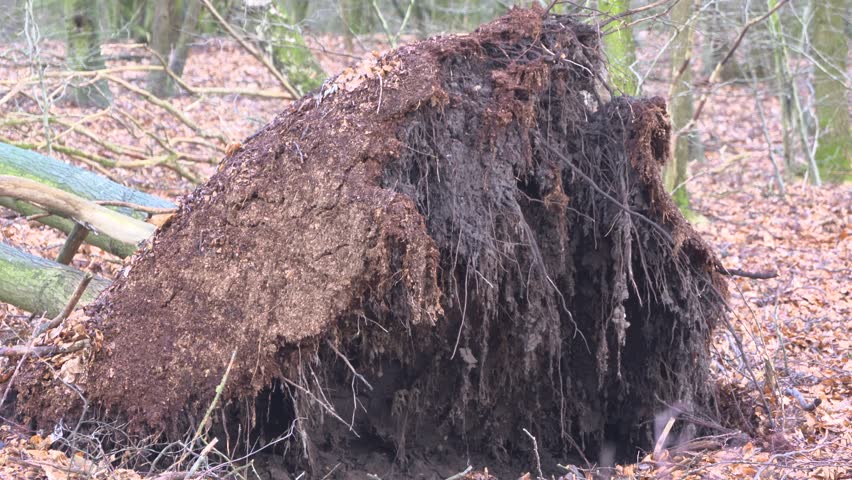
(69,307)
(735,272)
(59,202)
(803,404)
(44,351)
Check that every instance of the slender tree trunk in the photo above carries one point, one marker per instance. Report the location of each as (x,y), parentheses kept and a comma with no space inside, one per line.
(716,43)
(84,53)
(620,48)
(38,285)
(681,101)
(784,85)
(830,78)
(298,10)
(180,53)
(165,33)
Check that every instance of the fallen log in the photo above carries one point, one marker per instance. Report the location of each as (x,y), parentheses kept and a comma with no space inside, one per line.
(31,165)
(121,227)
(439,255)
(39,285)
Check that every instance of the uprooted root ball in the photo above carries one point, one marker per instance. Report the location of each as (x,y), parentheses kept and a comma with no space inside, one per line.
(429,255)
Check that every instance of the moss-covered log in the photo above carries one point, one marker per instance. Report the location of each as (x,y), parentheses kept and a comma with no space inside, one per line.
(39,285)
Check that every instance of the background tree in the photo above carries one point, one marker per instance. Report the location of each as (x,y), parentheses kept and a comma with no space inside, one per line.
(84,52)
(287,47)
(830,50)
(620,47)
(681,106)
(174,26)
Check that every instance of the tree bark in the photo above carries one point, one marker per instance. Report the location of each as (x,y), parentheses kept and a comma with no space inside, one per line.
(49,171)
(681,101)
(84,53)
(289,52)
(177,60)
(121,227)
(620,48)
(165,31)
(783,83)
(830,77)
(39,285)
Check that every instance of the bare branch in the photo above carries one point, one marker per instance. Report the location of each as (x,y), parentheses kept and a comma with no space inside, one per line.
(251,49)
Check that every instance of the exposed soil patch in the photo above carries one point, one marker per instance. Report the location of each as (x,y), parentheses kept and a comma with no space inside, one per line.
(483,238)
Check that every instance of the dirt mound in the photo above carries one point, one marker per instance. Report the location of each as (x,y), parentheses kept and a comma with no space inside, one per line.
(467,225)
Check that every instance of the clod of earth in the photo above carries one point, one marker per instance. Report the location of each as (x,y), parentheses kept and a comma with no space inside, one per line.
(435,251)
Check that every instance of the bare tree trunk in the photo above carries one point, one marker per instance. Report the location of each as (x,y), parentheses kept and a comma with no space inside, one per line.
(620,48)
(681,101)
(168,16)
(783,83)
(84,53)
(177,60)
(716,43)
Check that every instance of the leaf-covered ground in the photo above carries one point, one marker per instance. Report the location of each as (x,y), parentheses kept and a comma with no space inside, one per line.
(788,335)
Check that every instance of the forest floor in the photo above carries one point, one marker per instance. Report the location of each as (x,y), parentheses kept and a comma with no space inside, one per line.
(795,329)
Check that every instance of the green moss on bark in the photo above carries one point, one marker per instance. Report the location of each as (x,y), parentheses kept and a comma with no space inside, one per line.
(620,48)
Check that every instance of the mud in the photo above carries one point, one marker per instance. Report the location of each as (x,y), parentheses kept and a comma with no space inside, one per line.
(473,224)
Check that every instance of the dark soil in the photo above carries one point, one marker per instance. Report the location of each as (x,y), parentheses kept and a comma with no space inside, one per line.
(482,235)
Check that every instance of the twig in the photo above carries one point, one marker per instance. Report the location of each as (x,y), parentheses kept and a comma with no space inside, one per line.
(219,389)
(735,272)
(37,216)
(15,373)
(717,71)
(537,456)
(664,435)
(200,429)
(327,407)
(43,351)
(165,106)
(135,206)
(461,474)
(216,91)
(633,12)
(803,404)
(253,51)
(69,307)
(201,457)
(346,361)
